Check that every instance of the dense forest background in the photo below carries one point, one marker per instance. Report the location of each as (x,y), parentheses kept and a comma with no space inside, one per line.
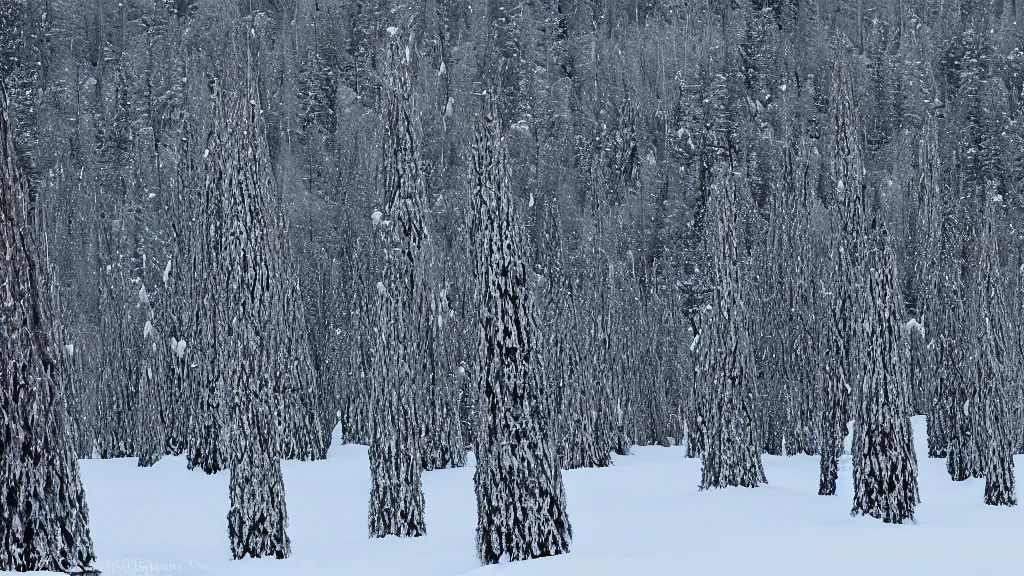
(618,117)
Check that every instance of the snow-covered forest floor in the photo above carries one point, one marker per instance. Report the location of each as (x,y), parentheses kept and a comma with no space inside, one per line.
(643,516)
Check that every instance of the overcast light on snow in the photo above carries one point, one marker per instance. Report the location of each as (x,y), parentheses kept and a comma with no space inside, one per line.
(643,516)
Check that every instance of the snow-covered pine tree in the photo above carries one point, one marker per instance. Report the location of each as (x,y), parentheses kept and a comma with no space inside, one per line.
(732,448)
(994,365)
(199,348)
(787,302)
(117,388)
(396,461)
(578,439)
(847,177)
(520,496)
(304,436)
(980,102)
(177,305)
(444,445)
(603,362)
(884,461)
(663,393)
(152,438)
(835,389)
(585,419)
(955,382)
(44,520)
(696,268)
(258,517)
(929,270)
(803,428)
(564,340)
(355,408)
(839,296)
(398,379)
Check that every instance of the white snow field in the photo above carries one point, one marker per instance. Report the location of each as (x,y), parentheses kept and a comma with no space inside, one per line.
(644,516)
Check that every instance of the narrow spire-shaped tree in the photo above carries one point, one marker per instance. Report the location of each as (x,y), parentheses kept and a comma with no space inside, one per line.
(958,383)
(44,521)
(955,382)
(258,517)
(697,284)
(603,362)
(152,436)
(303,433)
(842,342)
(732,455)
(201,342)
(398,378)
(834,391)
(884,461)
(578,439)
(443,435)
(929,272)
(180,280)
(355,404)
(993,366)
(787,302)
(847,175)
(519,491)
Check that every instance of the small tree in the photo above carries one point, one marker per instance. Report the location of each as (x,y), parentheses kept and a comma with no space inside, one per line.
(835,389)
(149,424)
(953,392)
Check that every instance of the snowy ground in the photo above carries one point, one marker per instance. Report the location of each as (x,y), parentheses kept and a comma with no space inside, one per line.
(644,516)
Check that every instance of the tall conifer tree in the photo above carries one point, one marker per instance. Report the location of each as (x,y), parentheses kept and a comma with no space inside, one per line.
(884,461)
(258,516)
(44,520)
(994,365)
(399,379)
(732,455)
(847,177)
(201,342)
(520,496)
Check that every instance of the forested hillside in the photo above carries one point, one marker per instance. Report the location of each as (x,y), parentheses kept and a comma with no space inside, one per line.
(542,231)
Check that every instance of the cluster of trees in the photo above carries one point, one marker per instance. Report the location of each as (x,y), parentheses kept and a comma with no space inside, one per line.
(544,231)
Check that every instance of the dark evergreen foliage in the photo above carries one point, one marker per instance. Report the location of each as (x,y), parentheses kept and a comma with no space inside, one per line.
(994,367)
(251,262)
(731,444)
(884,460)
(44,520)
(398,378)
(520,496)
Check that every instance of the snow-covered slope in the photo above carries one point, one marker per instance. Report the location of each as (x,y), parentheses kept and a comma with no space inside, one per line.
(644,516)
